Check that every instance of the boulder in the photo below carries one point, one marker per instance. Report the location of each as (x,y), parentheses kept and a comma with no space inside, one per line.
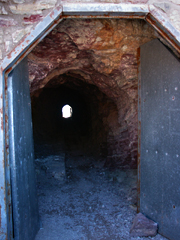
(143,227)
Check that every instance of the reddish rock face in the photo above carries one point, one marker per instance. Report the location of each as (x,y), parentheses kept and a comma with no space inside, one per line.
(103,53)
(32,18)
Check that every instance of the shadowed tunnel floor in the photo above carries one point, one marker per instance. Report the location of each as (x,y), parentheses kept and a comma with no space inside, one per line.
(89,202)
(82,195)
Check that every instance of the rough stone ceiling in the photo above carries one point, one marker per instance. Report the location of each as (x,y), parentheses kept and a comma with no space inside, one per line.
(100,52)
(93,49)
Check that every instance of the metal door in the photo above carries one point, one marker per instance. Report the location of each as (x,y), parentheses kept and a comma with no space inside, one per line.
(24,198)
(159,113)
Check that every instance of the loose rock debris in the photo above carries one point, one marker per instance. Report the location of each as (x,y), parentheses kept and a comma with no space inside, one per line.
(91,202)
(143,227)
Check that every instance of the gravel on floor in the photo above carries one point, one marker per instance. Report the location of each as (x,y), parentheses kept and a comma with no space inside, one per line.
(90,203)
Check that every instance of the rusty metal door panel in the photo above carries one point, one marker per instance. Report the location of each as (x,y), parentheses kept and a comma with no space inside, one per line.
(24,198)
(159,113)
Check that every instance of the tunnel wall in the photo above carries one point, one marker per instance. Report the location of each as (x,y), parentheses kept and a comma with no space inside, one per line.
(103,53)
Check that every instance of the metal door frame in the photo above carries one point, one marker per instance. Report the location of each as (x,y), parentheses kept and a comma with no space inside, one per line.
(76,10)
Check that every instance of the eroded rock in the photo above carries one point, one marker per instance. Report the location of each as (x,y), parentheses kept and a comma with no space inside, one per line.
(143,227)
(100,52)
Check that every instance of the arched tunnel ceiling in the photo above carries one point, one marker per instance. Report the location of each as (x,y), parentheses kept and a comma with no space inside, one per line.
(102,53)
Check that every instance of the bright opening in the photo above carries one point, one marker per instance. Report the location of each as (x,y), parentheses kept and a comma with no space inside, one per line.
(67,111)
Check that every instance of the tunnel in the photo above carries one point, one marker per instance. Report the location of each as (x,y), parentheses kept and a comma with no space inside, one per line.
(86,165)
(85,132)
(74,171)
(80,161)
(97,61)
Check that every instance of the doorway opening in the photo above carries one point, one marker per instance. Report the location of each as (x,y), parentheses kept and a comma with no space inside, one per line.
(110,73)
(66,111)
(79,190)
(92,155)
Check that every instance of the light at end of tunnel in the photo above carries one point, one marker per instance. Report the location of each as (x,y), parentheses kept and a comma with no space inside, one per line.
(66,111)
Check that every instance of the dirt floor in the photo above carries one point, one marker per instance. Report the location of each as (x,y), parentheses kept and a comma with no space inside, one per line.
(85,202)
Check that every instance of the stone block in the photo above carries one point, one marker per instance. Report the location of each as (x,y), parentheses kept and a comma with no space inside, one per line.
(18,34)
(32,18)
(143,227)
(175,18)
(163,6)
(1,38)
(3,11)
(18,1)
(25,9)
(0,54)
(32,8)
(7,22)
(57,167)
(175,1)
(8,45)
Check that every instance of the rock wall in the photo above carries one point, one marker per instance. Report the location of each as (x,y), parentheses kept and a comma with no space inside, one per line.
(102,53)
(97,52)
(18,17)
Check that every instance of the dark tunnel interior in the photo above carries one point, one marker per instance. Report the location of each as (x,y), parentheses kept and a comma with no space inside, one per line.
(85,132)
(74,182)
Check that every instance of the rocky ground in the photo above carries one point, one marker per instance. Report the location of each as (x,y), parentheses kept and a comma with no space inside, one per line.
(85,202)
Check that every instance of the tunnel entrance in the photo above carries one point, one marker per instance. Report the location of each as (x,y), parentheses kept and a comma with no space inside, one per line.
(74,179)
(113,114)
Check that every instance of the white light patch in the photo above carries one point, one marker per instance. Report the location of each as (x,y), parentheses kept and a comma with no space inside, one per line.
(66,111)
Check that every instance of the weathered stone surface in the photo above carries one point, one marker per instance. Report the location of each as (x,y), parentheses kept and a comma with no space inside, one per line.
(102,53)
(175,1)
(18,1)
(143,227)
(3,11)
(53,165)
(163,6)
(7,46)
(17,35)
(21,11)
(32,18)
(32,8)
(0,54)
(1,39)
(7,22)
(175,18)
